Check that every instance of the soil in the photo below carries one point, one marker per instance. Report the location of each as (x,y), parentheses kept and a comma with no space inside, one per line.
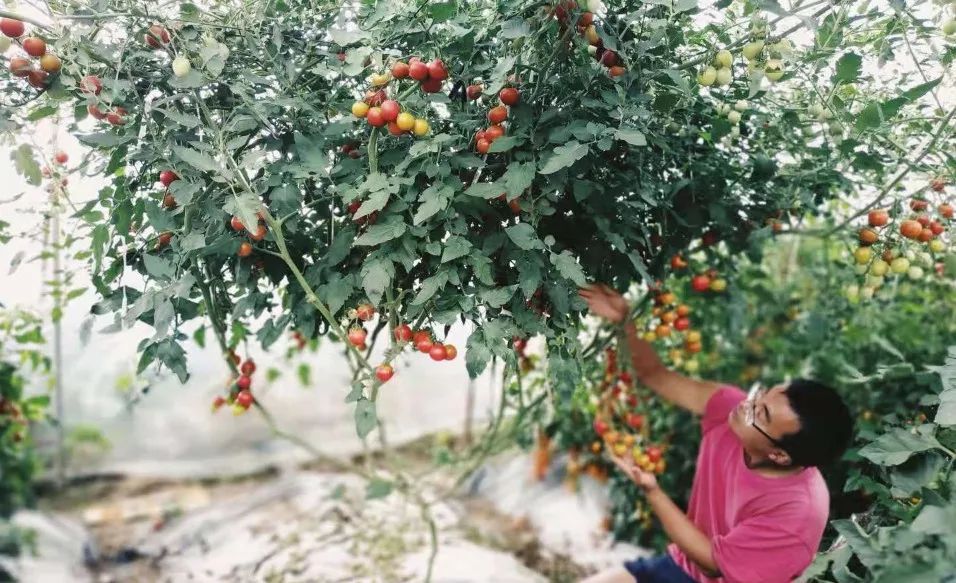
(128,519)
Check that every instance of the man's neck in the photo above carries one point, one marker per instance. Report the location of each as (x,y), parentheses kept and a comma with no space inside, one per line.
(768,469)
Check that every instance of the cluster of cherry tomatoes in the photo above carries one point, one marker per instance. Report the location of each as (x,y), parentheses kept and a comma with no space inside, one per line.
(379,111)
(156,37)
(92,86)
(240,389)
(11,414)
(667,317)
(508,97)
(520,345)
(245,248)
(585,26)
(34,47)
(884,252)
(60,159)
(702,282)
(166,178)
(424,342)
(351,150)
(618,399)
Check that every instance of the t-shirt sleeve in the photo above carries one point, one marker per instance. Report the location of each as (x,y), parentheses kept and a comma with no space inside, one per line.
(719,406)
(760,550)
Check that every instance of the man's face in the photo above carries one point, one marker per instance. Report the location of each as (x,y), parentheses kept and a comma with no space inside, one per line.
(762,419)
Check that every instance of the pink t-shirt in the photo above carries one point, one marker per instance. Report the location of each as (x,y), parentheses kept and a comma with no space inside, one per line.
(762,530)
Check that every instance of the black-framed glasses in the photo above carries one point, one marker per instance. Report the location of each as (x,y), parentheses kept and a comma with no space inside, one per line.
(751,415)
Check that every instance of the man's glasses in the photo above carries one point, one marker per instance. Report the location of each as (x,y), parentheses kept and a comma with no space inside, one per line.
(751,414)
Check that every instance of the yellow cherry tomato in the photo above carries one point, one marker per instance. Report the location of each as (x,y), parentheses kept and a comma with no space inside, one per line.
(421,127)
(405,121)
(359,109)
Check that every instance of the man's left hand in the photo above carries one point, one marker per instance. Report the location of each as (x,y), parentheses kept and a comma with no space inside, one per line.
(644,480)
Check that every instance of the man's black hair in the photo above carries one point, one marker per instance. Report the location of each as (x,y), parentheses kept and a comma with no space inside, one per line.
(825,424)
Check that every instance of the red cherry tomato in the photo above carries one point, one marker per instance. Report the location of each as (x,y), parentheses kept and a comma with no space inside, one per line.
(403,333)
(390,110)
(248,367)
(509,96)
(498,114)
(384,372)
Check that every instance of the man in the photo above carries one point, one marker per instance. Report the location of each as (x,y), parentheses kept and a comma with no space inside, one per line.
(758,504)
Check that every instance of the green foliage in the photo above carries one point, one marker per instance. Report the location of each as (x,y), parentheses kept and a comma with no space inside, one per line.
(908,531)
(19,334)
(612,174)
(604,178)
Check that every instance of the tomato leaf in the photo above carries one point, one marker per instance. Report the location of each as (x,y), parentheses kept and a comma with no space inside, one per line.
(376,276)
(504,144)
(518,177)
(848,68)
(163,315)
(198,160)
(563,368)
(104,140)
(564,156)
(936,520)
(271,330)
(192,242)
(245,206)
(26,164)
(434,199)
(170,353)
(529,273)
(946,413)
(442,11)
(183,119)
(484,190)
(914,93)
(455,247)
(365,417)
(184,190)
(377,488)
(524,236)
(311,155)
(497,76)
(357,392)
(429,145)
(477,353)
(568,267)
(336,291)
(915,473)
(341,245)
(430,287)
(346,37)
(497,297)
(375,202)
(895,447)
(382,232)
(157,267)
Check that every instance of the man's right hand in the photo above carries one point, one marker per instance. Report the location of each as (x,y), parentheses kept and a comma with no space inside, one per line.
(686,392)
(605,302)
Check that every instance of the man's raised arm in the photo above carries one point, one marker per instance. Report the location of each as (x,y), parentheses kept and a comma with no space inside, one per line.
(681,390)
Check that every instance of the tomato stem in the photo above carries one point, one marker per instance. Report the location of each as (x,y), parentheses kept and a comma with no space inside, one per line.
(373,152)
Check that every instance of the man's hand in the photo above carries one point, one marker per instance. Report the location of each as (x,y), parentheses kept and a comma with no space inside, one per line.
(644,480)
(605,302)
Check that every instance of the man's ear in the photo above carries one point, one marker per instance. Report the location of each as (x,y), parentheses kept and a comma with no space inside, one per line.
(780,457)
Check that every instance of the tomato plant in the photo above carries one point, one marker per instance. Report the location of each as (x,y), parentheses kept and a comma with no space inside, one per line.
(323,178)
